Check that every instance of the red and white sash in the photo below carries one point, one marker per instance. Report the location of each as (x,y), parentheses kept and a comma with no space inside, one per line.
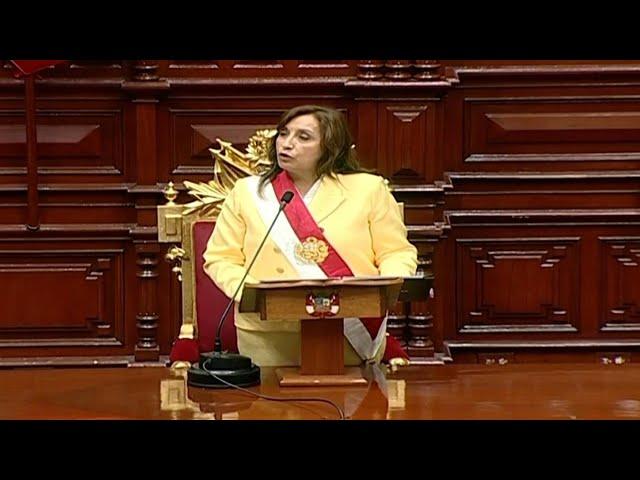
(296,225)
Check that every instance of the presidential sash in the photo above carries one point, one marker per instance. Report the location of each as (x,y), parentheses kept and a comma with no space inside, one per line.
(310,253)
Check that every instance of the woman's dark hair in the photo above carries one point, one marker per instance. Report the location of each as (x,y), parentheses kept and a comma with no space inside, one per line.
(338,151)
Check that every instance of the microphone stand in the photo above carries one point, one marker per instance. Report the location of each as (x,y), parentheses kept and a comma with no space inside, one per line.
(233,368)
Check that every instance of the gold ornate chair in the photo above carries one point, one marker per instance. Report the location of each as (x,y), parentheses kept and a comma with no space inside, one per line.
(188,227)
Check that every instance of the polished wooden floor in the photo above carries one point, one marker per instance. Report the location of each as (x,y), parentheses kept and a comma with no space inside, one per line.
(526,391)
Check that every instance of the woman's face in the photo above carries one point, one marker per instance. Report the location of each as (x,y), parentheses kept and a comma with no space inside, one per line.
(299,145)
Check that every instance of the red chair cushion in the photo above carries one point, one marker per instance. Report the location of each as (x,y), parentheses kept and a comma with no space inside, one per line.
(210,300)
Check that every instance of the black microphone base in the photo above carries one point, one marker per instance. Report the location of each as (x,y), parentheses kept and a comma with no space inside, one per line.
(233,368)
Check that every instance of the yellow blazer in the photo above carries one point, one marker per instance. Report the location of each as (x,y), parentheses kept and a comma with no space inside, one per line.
(359,216)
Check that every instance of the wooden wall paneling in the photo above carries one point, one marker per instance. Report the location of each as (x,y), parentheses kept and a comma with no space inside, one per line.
(620,291)
(367,136)
(482,153)
(406,140)
(62,296)
(192,131)
(563,134)
(255,68)
(145,89)
(515,285)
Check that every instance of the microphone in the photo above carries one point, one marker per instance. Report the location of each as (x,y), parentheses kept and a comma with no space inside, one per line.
(284,201)
(232,368)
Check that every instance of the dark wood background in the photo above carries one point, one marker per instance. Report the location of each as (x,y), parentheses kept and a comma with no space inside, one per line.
(520,180)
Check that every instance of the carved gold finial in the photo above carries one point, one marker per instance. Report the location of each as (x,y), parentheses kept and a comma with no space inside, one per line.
(175,255)
(174,252)
(398,362)
(180,366)
(258,147)
(170,193)
(177,269)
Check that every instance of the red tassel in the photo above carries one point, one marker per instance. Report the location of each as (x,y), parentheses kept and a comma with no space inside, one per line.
(184,350)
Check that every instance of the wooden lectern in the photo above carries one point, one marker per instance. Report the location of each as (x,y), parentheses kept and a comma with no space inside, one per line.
(321,306)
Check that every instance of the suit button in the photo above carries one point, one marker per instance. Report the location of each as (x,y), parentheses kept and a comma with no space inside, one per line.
(280,270)
(276,250)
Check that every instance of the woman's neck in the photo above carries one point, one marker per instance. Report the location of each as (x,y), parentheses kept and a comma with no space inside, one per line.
(303,182)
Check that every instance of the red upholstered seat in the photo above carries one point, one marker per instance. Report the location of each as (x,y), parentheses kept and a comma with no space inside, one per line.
(210,301)
(209,304)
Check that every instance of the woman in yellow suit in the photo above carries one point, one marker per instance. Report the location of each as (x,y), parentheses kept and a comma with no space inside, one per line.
(342,221)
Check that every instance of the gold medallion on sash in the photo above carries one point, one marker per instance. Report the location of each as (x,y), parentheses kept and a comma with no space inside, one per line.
(312,250)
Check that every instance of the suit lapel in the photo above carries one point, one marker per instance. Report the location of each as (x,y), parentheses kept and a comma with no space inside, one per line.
(327,199)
